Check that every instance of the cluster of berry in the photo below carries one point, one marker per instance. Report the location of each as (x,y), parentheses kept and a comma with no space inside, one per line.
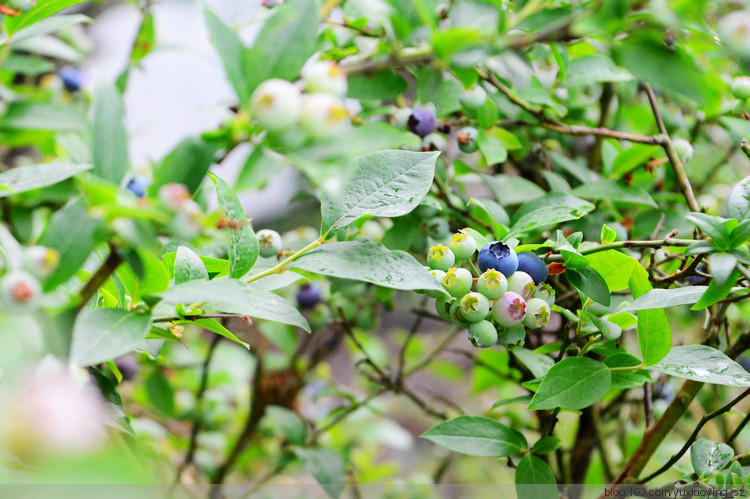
(511,291)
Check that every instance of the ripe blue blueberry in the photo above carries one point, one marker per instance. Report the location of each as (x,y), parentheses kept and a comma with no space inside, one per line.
(308,295)
(462,245)
(422,121)
(482,334)
(537,313)
(492,284)
(467,139)
(269,241)
(440,257)
(533,265)
(521,283)
(509,310)
(457,282)
(138,185)
(499,256)
(475,307)
(71,77)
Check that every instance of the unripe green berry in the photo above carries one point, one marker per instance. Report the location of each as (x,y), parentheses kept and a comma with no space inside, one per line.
(522,283)
(475,307)
(434,142)
(492,284)
(269,241)
(438,275)
(537,313)
(443,306)
(473,98)
(457,281)
(512,337)
(546,293)
(440,257)
(319,317)
(482,334)
(467,140)
(462,245)
(276,104)
(457,315)
(741,87)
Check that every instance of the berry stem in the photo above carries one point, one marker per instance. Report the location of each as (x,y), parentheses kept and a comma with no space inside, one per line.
(280,266)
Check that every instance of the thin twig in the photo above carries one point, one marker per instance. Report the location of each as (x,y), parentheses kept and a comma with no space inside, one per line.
(103,273)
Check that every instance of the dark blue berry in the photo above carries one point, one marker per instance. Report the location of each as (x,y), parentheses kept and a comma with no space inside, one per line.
(533,265)
(138,186)
(422,121)
(308,295)
(72,78)
(128,366)
(499,256)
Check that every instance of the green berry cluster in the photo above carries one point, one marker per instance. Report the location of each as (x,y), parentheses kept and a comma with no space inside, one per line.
(492,307)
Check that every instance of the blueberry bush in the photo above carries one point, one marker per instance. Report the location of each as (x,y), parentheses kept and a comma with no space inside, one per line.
(518,251)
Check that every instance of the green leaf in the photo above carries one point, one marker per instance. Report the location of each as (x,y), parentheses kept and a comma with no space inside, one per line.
(28,177)
(290,424)
(326,466)
(42,27)
(534,479)
(369,262)
(188,266)
(492,148)
(738,204)
(590,283)
(160,394)
(106,333)
(654,332)
(721,266)
(610,330)
(215,327)
(385,184)
(43,116)
(614,267)
(243,245)
(713,227)
(185,164)
(594,68)
(545,445)
(548,215)
(709,457)
(702,363)
(625,379)
(512,190)
(236,297)
(665,298)
(285,42)
(110,142)
(232,53)
(74,245)
(714,293)
(477,436)
(380,85)
(538,364)
(608,235)
(42,10)
(609,190)
(573,383)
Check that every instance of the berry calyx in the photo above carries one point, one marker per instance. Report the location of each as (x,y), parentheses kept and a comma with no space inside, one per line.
(509,310)
(482,334)
(422,121)
(462,245)
(546,293)
(457,282)
(533,265)
(467,140)
(269,241)
(499,256)
(276,104)
(440,257)
(492,284)
(475,307)
(522,283)
(537,313)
